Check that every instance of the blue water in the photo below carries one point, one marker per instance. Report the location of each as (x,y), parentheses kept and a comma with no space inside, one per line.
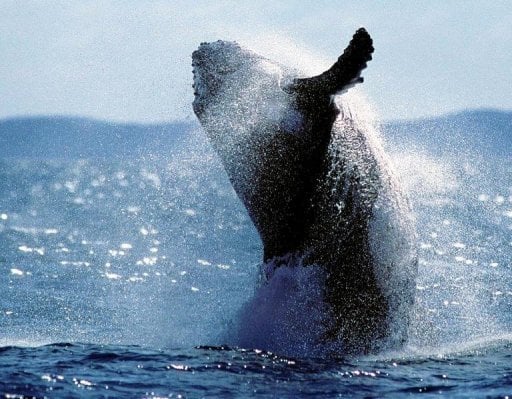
(124,278)
(112,371)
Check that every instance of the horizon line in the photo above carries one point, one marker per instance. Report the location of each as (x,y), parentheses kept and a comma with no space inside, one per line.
(189,120)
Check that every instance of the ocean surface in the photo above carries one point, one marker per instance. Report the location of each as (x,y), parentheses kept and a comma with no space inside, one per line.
(123,277)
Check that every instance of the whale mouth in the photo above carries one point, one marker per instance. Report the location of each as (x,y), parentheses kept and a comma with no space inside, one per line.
(197,67)
(203,90)
(194,84)
(198,86)
(201,85)
(196,80)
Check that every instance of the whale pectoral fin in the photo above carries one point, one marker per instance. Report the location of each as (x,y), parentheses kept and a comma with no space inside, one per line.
(345,73)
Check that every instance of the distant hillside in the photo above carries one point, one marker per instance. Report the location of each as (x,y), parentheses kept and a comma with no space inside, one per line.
(486,132)
(65,137)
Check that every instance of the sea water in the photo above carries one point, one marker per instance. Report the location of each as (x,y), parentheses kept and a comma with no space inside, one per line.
(124,278)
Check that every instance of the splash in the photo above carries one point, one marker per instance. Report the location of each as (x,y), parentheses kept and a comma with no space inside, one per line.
(460,296)
(279,46)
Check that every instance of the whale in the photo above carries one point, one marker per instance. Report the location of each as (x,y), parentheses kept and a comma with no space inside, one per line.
(316,184)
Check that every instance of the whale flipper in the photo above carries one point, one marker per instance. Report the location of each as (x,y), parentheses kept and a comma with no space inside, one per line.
(345,73)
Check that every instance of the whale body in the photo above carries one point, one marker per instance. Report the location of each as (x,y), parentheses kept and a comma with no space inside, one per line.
(316,184)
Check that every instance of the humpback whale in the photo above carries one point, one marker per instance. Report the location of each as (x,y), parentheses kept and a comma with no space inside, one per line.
(315,182)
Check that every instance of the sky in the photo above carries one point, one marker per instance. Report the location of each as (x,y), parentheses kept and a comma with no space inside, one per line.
(130,60)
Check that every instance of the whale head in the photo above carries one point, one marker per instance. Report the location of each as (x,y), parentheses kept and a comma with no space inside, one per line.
(236,89)
(254,124)
(271,128)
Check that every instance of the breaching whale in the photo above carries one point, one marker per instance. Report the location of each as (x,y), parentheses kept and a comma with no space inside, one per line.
(316,184)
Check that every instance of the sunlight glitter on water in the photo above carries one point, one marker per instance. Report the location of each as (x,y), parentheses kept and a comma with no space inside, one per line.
(172,228)
(17,272)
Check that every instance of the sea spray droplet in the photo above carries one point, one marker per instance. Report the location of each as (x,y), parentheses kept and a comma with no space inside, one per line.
(190,212)
(148,261)
(113,276)
(26,249)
